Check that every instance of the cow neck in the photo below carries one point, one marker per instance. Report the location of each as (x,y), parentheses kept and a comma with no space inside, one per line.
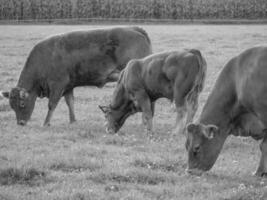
(26,79)
(118,95)
(221,105)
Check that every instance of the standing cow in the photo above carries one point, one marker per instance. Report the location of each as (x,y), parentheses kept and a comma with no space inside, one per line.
(60,63)
(176,75)
(237,105)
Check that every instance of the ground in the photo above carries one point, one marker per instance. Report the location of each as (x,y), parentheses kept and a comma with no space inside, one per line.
(80,161)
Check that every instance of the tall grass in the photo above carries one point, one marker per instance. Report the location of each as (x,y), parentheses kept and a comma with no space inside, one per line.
(141,9)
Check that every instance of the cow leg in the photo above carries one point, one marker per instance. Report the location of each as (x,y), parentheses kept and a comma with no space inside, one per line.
(180,110)
(69,98)
(147,108)
(180,119)
(262,169)
(54,97)
(181,86)
(153,108)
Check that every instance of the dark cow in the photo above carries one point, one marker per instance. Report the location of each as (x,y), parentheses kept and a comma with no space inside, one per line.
(237,105)
(60,63)
(176,75)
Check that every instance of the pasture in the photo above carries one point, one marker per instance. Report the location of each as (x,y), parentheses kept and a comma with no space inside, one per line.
(80,161)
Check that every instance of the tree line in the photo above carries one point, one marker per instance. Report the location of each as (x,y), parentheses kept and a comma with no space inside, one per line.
(134,9)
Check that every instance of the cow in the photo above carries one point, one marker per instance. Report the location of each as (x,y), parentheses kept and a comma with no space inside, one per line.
(58,64)
(176,75)
(236,106)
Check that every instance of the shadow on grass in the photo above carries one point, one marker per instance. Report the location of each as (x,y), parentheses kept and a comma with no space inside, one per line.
(75,167)
(29,176)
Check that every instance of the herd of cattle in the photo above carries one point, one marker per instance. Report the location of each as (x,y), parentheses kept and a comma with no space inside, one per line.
(237,104)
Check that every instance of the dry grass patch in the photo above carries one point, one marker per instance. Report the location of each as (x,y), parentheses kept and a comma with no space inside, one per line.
(145,177)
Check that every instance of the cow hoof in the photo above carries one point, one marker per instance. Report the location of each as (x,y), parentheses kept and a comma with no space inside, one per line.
(110,131)
(47,124)
(260,174)
(194,172)
(73,121)
(150,133)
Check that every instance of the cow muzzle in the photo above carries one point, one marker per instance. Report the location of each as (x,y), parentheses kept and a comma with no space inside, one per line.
(194,171)
(110,131)
(21,122)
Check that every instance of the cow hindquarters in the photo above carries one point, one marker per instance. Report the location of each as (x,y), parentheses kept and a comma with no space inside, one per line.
(262,169)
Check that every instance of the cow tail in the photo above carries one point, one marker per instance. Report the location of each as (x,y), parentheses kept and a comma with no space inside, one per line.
(201,76)
(192,96)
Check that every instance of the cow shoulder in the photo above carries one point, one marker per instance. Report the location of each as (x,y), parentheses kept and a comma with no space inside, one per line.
(133,74)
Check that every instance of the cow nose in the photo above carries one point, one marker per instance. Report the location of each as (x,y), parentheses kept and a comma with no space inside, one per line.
(22,122)
(110,131)
(195,172)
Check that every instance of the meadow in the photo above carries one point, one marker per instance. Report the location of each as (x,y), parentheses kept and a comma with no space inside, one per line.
(81,162)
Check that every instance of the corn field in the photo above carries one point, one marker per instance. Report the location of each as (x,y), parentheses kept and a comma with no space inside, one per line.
(134,9)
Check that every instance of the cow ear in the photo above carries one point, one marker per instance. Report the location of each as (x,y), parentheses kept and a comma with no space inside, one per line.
(209,131)
(4,94)
(191,127)
(104,109)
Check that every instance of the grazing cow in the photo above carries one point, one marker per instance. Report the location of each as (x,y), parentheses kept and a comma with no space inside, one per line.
(237,105)
(176,75)
(60,63)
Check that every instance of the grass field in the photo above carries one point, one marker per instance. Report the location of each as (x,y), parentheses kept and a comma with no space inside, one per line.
(80,161)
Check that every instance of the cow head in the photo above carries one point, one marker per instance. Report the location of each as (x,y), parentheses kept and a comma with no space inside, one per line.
(22,102)
(115,117)
(203,145)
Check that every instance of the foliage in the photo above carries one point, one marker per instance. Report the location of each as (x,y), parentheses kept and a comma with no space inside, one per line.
(139,9)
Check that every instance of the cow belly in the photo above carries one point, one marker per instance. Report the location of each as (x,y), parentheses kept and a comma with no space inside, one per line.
(253,132)
(91,74)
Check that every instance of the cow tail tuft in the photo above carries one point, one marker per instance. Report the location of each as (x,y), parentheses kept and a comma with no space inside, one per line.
(200,78)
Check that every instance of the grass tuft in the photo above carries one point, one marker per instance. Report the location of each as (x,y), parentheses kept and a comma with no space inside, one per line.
(29,176)
(76,165)
(169,166)
(248,194)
